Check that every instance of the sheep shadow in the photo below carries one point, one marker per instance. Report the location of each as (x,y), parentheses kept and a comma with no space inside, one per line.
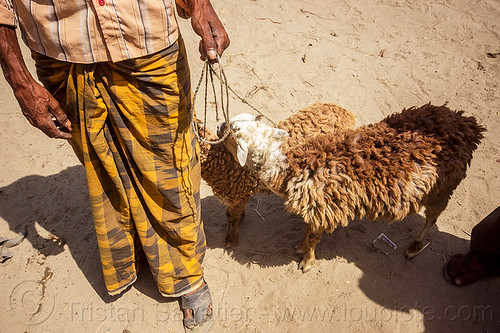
(59,204)
(411,288)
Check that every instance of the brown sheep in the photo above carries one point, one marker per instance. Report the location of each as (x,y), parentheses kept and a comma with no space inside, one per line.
(233,184)
(386,170)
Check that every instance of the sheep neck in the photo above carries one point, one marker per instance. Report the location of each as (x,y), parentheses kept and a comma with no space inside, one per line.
(269,164)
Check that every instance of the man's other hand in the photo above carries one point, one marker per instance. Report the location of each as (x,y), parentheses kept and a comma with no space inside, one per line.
(37,104)
(43,111)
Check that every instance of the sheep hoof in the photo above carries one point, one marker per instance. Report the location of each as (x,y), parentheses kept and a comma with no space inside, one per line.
(414,249)
(305,265)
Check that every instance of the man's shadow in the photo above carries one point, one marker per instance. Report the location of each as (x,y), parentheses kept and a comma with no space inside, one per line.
(412,289)
(60,204)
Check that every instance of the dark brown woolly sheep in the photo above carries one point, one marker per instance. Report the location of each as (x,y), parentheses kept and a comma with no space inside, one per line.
(387,170)
(233,184)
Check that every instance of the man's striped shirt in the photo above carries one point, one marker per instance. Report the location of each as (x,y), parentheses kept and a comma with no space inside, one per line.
(89,31)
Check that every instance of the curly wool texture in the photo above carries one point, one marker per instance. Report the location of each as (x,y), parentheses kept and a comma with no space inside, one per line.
(234,184)
(231,183)
(385,170)
(318,118)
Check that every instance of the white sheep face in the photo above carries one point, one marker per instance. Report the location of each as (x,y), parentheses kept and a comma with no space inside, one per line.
(253,142)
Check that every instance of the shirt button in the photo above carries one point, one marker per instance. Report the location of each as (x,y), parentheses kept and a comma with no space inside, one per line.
(102,2)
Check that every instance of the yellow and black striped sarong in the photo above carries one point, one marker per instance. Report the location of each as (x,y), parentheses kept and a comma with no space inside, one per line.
(131,131)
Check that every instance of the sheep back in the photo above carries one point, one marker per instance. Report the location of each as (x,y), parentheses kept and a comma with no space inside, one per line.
(385,170)
(318,118)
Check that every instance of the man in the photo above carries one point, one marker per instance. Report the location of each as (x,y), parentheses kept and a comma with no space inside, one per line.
(117,86)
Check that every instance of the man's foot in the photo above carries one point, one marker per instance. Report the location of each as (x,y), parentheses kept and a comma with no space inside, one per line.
(463,269)
(197,309)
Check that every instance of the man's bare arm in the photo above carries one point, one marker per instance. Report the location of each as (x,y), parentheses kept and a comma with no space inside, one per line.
(37,104)
(214,39)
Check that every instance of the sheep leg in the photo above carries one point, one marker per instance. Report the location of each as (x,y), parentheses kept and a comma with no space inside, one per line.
(234,215)
(302,247)
(312,239)
(419,244)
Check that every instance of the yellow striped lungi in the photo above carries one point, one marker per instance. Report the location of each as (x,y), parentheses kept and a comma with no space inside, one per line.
(131,131)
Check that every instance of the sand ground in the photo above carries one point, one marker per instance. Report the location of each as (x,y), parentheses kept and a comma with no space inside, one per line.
(372,57)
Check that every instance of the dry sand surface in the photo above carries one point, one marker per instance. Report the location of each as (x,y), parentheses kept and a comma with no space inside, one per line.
(372,57)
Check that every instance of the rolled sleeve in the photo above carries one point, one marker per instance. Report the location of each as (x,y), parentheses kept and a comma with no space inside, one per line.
(7,16)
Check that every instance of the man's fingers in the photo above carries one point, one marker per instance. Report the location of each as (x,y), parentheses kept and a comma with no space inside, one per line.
(221,40)
(54,132)
(216,46)
(222,44)
(210,46)
(211,54)
(201,48)
(57,112)
(48,126)
(64,135)
(203,54)
(61,126)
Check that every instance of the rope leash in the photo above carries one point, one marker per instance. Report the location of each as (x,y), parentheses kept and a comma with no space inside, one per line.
(246,102)
(208,72)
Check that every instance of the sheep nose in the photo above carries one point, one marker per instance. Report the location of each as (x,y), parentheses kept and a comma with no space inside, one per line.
(221,129)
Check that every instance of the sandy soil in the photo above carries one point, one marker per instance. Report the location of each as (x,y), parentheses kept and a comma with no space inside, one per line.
(372,57)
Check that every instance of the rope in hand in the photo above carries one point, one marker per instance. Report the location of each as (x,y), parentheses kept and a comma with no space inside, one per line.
(209,71)
(206,72)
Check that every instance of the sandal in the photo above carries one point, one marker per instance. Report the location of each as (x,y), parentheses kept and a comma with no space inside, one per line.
(463,269)
(199,302)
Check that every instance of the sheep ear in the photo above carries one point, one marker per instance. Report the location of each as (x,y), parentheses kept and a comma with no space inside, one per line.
(279,133)
(242,155)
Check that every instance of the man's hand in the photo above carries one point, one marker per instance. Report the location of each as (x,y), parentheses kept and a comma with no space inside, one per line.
(37,104)
(39,107)
(214,39)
